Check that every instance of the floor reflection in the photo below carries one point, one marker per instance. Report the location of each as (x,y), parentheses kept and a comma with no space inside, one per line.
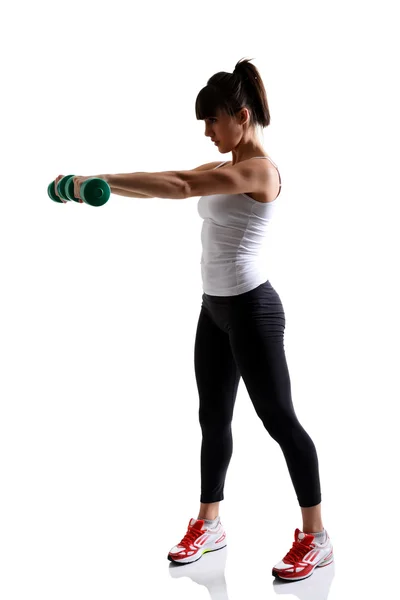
(209,571)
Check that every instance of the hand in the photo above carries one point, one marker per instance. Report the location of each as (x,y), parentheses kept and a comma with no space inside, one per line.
(77,185)
(78,180)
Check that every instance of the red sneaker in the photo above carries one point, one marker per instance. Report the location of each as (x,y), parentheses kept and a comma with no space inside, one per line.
(305,555)
(198,540)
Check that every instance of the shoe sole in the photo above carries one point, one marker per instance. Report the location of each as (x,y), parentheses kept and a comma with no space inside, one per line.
(188,562)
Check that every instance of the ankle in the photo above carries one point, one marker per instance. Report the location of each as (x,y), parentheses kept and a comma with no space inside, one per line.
(316,529)
(207,517)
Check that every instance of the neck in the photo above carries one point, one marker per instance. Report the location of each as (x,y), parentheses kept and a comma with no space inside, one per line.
(247,150)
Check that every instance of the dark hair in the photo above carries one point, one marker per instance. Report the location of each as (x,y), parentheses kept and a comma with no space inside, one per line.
(230,92)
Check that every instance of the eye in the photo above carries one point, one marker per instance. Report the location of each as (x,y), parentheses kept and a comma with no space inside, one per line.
(211,119)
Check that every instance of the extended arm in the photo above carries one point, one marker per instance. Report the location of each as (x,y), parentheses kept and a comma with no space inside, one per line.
(166,184)
(121,191)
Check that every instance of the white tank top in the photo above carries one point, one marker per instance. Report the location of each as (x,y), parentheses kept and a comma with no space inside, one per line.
(234,241)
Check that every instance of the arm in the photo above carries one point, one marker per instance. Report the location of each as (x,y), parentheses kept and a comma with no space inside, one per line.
(120,191)
(167,184)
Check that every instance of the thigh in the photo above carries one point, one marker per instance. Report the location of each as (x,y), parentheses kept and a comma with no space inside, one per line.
(257,326)
(217,374)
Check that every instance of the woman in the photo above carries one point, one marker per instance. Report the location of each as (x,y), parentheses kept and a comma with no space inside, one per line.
(241,327)
(240,332)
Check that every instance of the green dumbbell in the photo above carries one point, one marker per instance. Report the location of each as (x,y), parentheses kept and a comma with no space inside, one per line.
(94,191)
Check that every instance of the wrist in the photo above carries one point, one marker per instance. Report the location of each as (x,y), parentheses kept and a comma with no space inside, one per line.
(105,177)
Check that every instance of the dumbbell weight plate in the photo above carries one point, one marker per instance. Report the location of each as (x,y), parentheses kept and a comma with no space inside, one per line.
(95,191)
(51,191)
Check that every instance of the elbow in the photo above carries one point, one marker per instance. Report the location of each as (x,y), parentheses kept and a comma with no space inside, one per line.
(185,191)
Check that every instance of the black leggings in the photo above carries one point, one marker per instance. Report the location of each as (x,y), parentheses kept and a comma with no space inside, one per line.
(242,336)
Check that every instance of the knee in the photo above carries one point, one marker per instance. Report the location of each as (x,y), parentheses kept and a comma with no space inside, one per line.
(282,427)
(215,423)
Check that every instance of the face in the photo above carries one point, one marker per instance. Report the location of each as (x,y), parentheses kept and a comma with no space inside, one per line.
(226,130)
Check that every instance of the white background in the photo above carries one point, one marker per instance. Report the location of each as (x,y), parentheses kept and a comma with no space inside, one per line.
(99,434)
